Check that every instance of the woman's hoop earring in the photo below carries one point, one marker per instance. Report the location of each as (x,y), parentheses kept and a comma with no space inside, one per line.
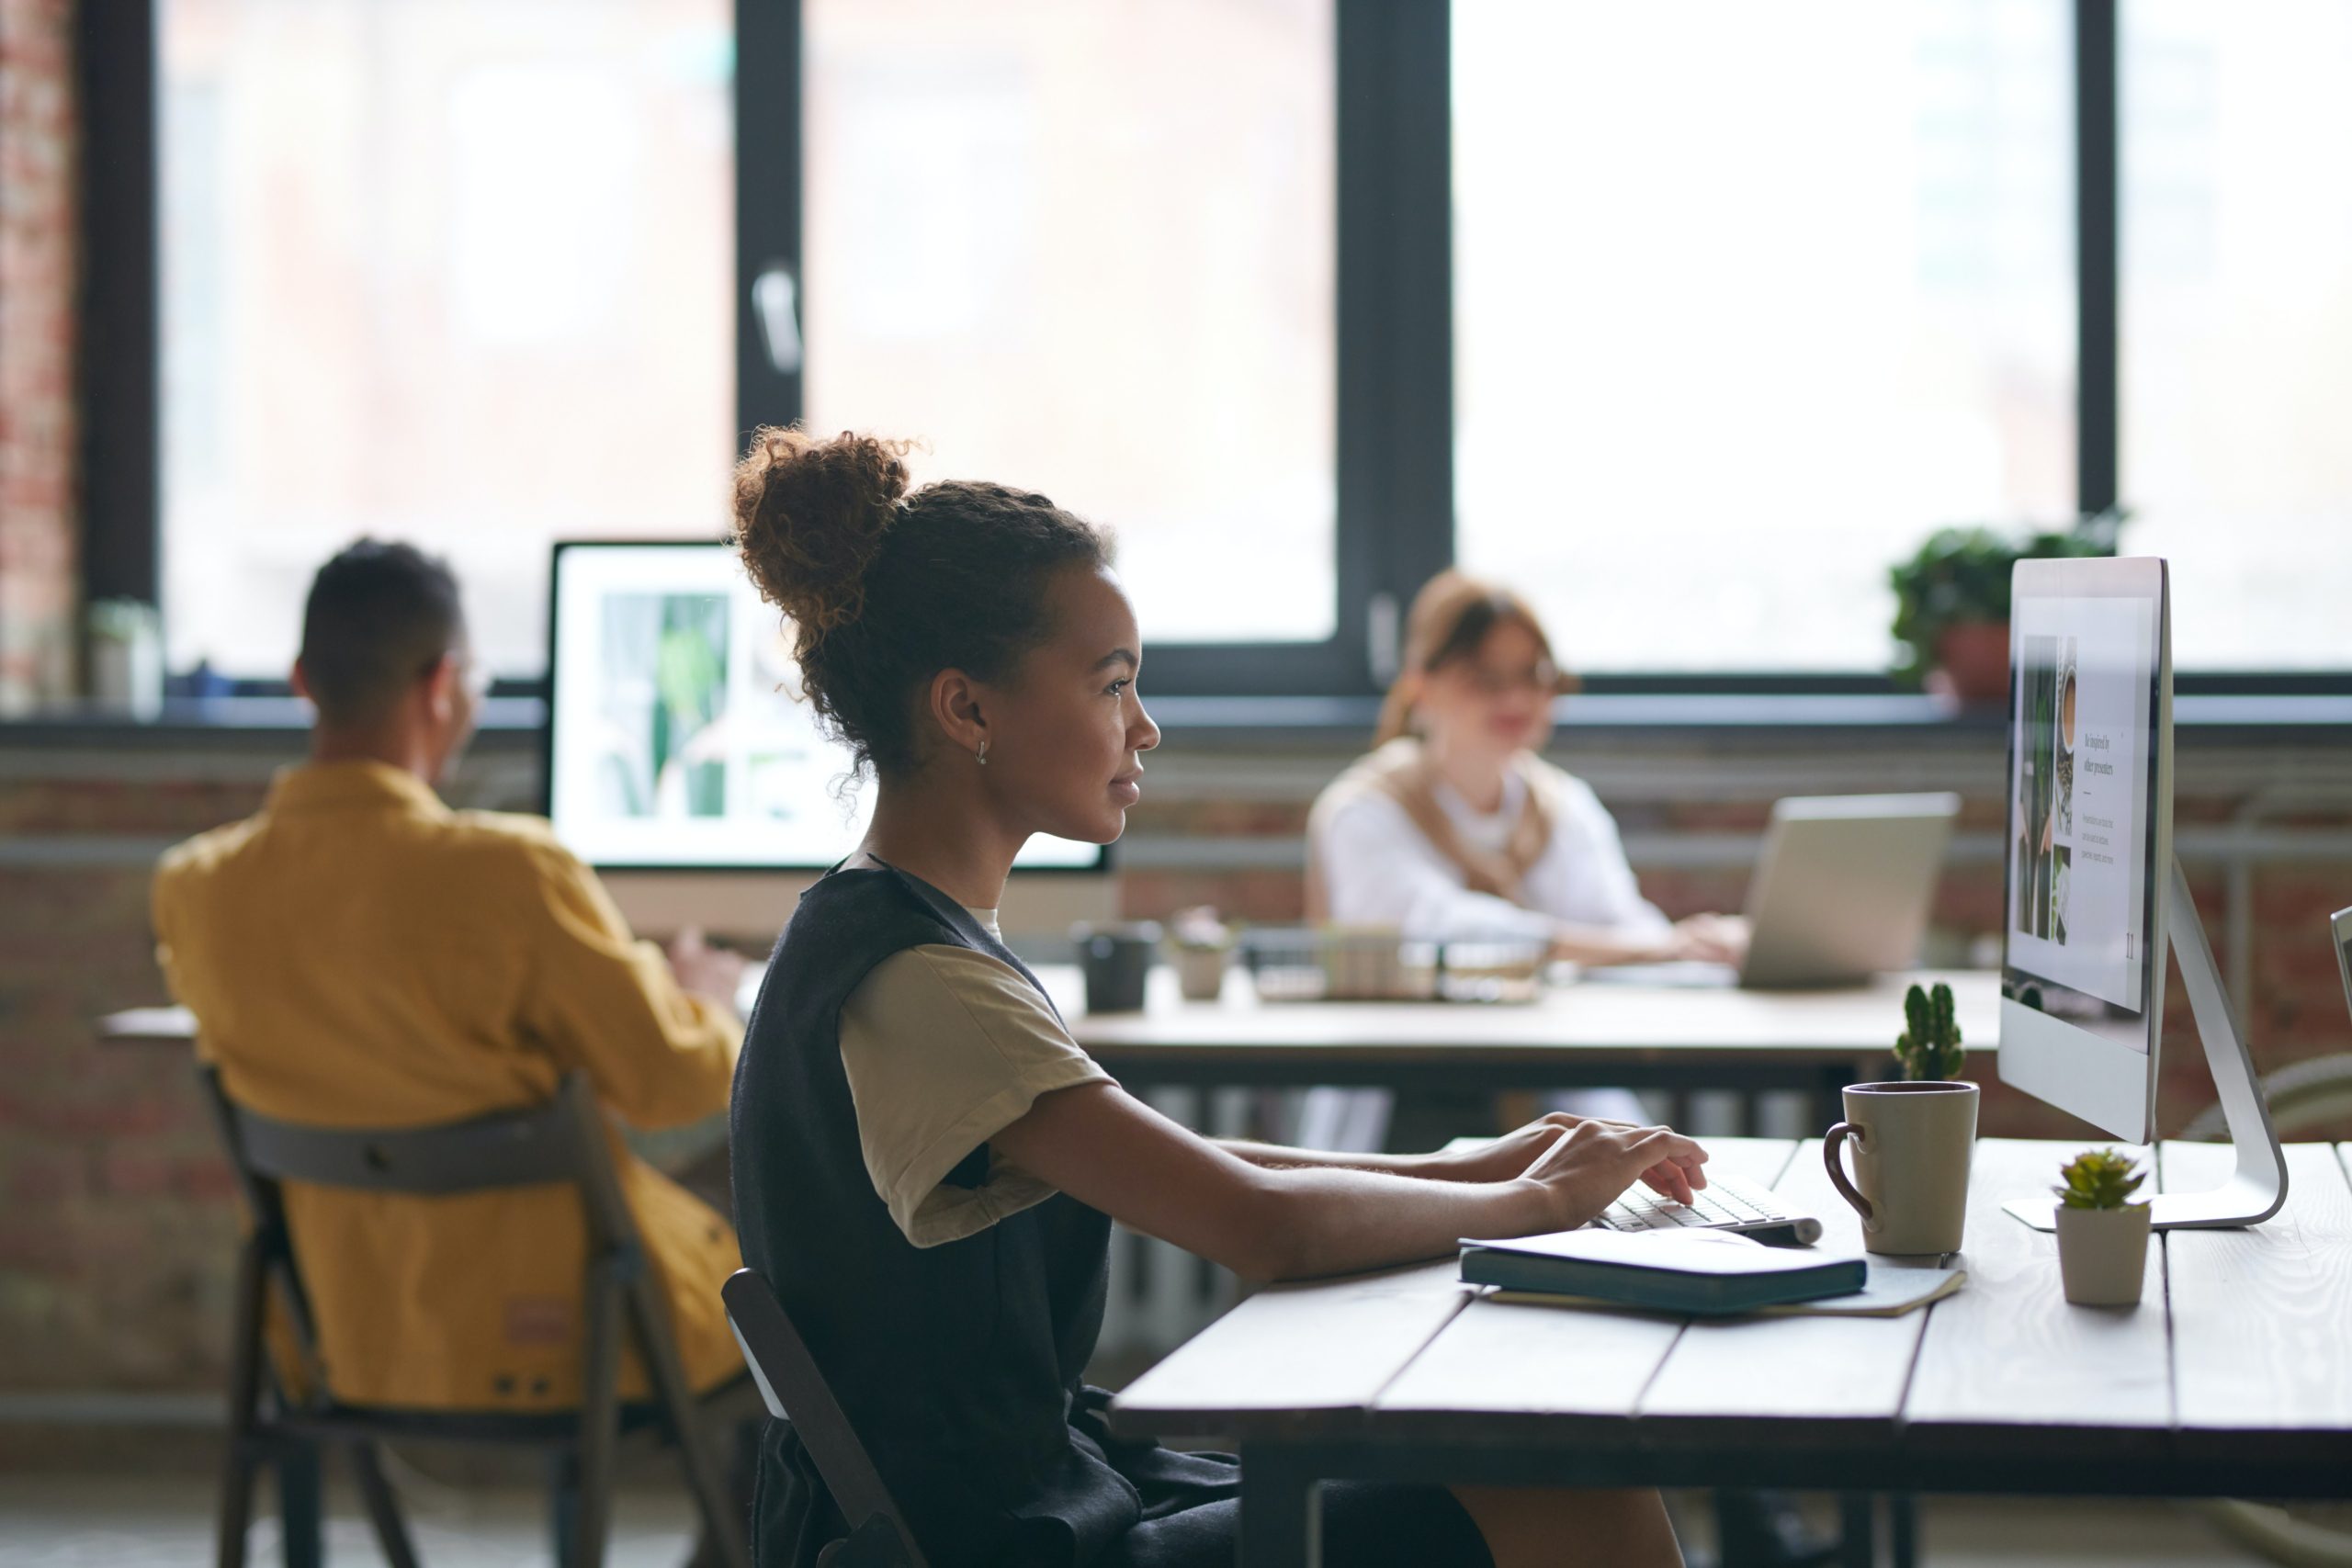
(983,753)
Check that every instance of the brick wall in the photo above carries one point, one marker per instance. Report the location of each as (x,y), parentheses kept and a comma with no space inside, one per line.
(116,1219)
(37,266)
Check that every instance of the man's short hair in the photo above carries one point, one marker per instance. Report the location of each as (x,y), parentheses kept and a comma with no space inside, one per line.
(379,615)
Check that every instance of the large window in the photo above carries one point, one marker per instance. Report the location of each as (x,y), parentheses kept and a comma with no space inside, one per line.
(2236,322)
(1748,299)
(1688,321)
(440,270)
(1086,249)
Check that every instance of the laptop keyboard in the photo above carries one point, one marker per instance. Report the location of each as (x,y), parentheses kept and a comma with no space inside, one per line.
(1726,1203)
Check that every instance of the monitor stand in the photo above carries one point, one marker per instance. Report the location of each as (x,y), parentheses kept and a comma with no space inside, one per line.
(2258,1187)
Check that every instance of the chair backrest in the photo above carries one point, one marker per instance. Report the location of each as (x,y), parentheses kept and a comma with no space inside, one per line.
(562,1141)
(796,1391)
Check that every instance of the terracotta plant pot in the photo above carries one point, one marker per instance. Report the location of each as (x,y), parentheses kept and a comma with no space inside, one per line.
(1972,662)
(2103,1253)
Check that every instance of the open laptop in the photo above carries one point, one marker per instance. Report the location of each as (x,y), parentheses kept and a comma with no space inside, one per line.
(2340,925)
(1841,894)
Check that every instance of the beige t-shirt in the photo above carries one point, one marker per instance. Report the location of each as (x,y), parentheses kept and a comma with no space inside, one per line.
(944,1047)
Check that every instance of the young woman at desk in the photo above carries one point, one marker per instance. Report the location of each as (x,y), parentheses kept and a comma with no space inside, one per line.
(1456,826)
(927,1166)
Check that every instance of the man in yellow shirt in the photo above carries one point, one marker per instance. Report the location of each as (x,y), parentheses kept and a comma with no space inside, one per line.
(359,954)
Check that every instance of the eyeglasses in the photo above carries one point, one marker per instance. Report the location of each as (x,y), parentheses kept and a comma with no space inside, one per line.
(1543,679)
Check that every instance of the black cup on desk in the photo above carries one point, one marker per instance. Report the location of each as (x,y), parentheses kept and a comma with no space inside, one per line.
(1116,958)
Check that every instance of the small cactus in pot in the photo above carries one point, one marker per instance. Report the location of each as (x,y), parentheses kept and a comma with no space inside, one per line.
(2102,1234)
(1929,1050)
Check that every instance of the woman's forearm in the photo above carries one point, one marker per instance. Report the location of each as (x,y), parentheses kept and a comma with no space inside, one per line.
(1334,1220)
(1277,1156)
(1595,946)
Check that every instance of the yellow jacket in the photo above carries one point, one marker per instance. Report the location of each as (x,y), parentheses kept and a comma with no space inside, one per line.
(359,955)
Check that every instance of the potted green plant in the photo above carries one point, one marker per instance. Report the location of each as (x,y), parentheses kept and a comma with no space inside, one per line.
(1951,601)
(2102,1235)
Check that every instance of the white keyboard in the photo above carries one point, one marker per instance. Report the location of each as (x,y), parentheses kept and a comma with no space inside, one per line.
(1726,1203)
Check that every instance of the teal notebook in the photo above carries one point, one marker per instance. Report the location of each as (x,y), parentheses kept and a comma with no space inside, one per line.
(1702,1272)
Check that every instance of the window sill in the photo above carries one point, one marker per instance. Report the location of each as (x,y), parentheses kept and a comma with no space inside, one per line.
(514,723)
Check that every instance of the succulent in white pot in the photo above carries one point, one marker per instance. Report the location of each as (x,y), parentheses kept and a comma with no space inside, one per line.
(2102,1235)
(1201,944)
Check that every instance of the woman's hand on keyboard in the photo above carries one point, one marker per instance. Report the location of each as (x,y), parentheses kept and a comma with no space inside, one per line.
(1507,1158)
(1590,1164)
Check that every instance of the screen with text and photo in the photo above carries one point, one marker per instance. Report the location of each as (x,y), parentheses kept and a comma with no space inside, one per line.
(678,734)
(2079,798)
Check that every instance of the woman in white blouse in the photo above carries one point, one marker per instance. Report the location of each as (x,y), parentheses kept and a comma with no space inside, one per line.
(1457,827)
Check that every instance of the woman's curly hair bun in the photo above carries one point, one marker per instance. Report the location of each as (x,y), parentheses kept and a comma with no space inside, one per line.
(810,515)
(885,587)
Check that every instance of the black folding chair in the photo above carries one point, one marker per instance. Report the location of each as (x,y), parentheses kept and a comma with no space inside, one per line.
(562,1141)
(795,1390)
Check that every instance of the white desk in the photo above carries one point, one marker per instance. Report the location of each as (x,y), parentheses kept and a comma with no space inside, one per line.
(1671,1037)
(2233,1376)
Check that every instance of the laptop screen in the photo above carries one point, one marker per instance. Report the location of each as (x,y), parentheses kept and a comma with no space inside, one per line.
(2341,925)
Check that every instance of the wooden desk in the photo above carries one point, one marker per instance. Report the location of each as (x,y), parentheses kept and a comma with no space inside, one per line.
(1676,1038)
(2231,1378)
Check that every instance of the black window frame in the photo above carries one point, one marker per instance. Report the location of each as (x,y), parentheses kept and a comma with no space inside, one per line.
(1393,379)
(1394,374)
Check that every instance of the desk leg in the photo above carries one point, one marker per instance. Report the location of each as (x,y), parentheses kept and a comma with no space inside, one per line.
(300,1526)
(1282,1518)
(1828,1098)
(1902,1520)
(1857,1529)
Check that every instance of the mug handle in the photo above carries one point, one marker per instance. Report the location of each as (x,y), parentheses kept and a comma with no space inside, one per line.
(1830,1144)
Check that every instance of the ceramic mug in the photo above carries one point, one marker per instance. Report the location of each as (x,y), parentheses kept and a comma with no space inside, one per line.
(1115,958)
(1911,1142)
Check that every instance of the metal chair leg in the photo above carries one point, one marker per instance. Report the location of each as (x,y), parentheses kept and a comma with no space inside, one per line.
(302,1518)
(563,1507)
(241,1460)
(720,1522)
(599,1417)
(236,1507)
(383,1506)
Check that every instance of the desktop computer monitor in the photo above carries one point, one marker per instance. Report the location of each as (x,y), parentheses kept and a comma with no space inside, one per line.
(2090,842)
(680,755)
(2095,900)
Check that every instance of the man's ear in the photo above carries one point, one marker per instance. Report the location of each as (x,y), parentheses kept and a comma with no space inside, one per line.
(301,684)
(440,685)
